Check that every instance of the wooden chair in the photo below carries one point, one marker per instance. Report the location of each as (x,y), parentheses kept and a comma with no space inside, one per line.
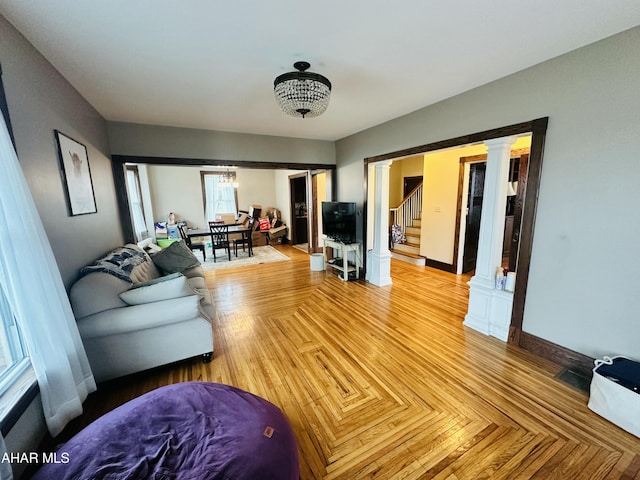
(219,238)
(192,245)
(245,239)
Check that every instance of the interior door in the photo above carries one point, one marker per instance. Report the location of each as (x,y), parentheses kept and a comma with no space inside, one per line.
(299,209)
(522,176)
(477,173)
(410,183)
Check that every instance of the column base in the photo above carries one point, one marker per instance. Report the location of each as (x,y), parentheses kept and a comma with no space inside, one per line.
(379,268)
(489,310)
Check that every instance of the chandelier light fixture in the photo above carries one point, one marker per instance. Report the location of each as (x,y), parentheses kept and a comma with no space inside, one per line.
(302,94)
(229,177)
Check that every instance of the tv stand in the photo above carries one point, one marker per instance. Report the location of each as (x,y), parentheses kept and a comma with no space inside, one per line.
(342,250)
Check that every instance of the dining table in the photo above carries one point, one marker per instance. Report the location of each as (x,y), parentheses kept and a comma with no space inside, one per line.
(244,230)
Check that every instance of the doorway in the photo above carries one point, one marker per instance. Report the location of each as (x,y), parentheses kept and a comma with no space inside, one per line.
(474,212)
(410,184)
(537,129)
(321,191)
(469,227)
(299,205)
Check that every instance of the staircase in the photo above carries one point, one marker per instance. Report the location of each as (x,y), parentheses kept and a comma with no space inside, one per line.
(408,215)
(410,250)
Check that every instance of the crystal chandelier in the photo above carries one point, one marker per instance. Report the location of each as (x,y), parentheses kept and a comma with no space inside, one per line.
(302,94)
(229,177)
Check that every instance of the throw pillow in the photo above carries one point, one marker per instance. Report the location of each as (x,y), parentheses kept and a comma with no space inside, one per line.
(163,288)
(162,279)
(177,257)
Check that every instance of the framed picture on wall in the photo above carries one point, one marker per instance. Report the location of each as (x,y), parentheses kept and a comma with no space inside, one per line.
(76,175)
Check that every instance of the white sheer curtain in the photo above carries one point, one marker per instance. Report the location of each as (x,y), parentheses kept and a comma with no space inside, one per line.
(32,284)
(219,195)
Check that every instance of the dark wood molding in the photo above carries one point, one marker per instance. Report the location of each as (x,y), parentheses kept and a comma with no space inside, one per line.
(200,162)
(527,225)
(313,215)
(298,175)
(447,267)
(516,129)
(523,175)
(365,206)
(473,158)
(122,199)
(456,233)
(564,357)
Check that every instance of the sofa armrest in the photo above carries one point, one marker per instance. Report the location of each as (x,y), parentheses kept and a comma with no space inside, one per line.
(196,271)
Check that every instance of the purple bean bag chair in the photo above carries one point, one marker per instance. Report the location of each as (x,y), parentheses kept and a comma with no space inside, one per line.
(192,430)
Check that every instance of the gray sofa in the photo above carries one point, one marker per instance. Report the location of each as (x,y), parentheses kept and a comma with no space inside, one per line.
(133,316)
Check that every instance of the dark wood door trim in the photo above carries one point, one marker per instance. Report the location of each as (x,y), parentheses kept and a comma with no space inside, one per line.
(295,182)
(516,129)
(527,226)
(199,162)
(313,215)
(456,243)
(523,175)
(558,354)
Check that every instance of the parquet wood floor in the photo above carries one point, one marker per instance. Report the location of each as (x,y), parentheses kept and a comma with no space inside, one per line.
(386,382)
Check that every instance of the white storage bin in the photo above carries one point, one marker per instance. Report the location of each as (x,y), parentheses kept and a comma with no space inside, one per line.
(615,392)
(317,262)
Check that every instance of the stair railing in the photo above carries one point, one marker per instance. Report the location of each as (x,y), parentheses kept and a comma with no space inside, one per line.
(408,210)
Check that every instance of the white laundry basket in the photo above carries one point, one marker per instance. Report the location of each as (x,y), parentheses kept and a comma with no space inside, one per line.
(615,392)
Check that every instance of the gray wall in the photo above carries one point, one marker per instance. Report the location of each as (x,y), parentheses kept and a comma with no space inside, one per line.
(583,283)
(41,100)
(158,141)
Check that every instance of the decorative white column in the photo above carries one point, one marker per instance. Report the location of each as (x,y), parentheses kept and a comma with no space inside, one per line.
(490,309)
(379,259)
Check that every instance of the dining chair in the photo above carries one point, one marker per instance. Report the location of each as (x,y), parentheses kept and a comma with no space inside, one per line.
(245,239)
(191,244)
(219,238)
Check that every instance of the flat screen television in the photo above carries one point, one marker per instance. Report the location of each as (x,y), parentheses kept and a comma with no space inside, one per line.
(339,221)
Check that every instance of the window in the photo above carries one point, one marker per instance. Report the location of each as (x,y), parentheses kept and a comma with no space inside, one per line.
(135,203)
(220,194)
(13,359)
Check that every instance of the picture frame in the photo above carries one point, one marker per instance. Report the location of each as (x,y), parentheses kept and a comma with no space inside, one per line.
(76,175)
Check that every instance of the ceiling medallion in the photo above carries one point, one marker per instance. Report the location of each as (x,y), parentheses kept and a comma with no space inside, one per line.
(302,94)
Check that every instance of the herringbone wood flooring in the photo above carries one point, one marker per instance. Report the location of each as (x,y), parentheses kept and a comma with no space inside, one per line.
(387,383)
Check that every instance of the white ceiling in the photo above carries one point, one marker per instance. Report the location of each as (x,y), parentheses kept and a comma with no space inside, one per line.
(210,64)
